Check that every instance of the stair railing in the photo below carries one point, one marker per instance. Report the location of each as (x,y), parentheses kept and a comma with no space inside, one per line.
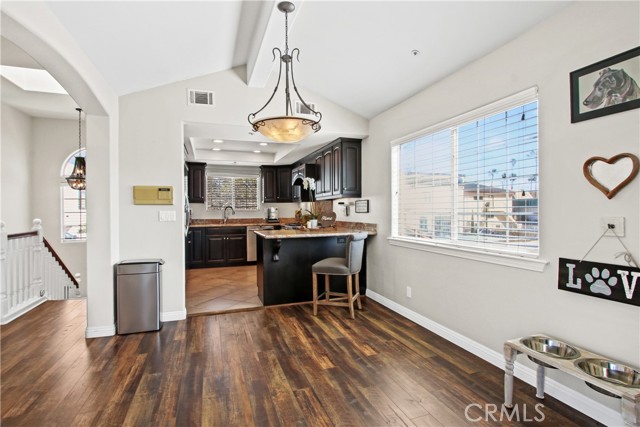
(31,272)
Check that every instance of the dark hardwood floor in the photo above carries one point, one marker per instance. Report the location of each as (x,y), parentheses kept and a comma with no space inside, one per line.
(269,367)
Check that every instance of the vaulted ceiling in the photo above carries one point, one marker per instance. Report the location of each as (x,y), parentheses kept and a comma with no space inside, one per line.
(365,56)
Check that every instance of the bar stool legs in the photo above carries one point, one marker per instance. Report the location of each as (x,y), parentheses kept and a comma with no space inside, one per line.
(336,298)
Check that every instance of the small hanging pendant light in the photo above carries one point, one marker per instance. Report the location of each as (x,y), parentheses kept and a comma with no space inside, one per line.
(77,179)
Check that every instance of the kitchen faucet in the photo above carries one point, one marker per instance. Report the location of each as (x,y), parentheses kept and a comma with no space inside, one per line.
(224,213)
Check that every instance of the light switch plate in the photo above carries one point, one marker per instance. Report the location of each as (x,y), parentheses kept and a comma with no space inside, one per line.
(166,216)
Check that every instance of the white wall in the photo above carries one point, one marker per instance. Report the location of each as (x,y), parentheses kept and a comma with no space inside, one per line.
(151,153)
(33,27)
(53,141)
(490,303)
(15,155)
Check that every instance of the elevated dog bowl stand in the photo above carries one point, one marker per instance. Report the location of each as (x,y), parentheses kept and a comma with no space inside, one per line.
(629,397)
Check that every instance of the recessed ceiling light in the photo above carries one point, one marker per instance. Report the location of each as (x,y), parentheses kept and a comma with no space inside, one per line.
(264,144)
(218,141)
(256,151)
(415,52)
(217,149)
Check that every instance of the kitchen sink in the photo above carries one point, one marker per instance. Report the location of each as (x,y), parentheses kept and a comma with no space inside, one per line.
(549,347)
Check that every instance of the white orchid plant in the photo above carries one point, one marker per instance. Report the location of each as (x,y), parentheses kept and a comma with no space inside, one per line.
(309,183)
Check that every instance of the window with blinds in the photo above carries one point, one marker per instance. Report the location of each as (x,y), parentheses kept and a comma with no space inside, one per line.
(472,181)
(74,214)
(240,192)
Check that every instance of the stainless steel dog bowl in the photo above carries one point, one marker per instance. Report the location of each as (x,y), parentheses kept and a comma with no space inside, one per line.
(549,347)
(610,371)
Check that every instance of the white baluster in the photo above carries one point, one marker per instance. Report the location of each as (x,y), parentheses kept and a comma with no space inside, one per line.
(4,286)
(35,276)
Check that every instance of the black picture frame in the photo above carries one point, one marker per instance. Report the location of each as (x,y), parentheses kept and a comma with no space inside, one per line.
(362,206)
(608,97)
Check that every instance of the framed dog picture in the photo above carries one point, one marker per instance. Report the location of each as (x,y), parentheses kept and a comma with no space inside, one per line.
(606,87)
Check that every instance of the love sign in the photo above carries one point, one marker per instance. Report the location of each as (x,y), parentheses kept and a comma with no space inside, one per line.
(608,281)
(327,219)
(611,175)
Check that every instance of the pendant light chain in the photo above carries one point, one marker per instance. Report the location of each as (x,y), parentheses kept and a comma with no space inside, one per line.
(79,129)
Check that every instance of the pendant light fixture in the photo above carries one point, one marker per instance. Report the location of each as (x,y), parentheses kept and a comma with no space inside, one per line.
(77,179)
(287,128)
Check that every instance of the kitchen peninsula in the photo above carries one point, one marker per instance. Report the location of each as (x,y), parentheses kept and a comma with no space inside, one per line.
(285,258)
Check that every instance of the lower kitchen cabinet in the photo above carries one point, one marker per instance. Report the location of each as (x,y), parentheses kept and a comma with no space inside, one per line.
(218,246)
(195,247)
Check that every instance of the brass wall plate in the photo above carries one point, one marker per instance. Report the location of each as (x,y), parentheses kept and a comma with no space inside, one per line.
(152,195)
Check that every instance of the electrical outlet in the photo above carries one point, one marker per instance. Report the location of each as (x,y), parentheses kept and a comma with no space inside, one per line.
(408,291)
(617,222)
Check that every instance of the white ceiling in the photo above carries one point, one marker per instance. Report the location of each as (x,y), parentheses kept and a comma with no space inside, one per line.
(357,54)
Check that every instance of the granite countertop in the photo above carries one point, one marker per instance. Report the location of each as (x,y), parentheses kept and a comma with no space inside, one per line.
(306,233)
(341,228)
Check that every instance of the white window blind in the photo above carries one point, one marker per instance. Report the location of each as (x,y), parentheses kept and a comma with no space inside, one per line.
(74,213)
(238,188)
(472,181)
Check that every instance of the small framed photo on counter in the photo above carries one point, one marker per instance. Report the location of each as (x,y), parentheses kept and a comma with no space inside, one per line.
(362,206)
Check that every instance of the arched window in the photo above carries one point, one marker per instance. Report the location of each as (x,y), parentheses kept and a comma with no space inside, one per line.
(73,204)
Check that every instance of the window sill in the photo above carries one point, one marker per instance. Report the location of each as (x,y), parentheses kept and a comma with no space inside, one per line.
(524,263)
(73,241)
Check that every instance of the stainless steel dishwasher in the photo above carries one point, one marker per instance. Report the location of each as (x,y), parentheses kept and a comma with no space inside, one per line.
(251,242)
(138,284)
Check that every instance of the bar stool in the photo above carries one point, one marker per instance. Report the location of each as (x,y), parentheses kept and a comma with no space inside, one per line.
(348,266)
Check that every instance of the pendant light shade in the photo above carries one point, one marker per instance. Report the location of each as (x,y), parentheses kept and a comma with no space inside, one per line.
(77,179)
(287,128)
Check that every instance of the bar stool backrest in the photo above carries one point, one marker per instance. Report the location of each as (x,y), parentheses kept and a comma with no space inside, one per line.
(355,250)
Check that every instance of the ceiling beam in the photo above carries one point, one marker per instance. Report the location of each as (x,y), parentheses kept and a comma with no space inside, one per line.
(269,33)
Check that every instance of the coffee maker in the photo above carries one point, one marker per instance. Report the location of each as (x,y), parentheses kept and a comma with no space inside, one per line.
(272,215)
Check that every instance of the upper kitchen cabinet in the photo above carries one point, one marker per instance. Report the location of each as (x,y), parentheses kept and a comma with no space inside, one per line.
(339,169)
(196,182)
(351,162)
(276,184)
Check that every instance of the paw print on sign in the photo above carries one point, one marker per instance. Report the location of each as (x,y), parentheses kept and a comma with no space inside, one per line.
(601,283)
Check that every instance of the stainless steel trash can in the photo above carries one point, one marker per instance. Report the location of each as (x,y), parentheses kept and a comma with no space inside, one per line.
(138,283)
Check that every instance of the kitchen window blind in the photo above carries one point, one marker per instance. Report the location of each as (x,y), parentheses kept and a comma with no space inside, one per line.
(472,181)
(240,192)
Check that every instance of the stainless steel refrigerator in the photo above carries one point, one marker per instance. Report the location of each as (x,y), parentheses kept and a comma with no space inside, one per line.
(138,284)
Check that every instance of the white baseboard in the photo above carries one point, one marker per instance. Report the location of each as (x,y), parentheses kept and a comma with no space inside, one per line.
(569,396)
(100,331)
(110,330)
(22,310)
(172,316)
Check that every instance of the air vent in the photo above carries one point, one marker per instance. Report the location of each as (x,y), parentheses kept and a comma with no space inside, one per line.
(200,97)
(302,109)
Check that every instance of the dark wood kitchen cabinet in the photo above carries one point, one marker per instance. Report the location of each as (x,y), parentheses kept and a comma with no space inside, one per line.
(339,169)
(196,182)
(276,184)
(195,247)
(216,246)
(225,246)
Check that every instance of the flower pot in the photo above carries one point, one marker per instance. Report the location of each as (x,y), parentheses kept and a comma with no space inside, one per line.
(312,223)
